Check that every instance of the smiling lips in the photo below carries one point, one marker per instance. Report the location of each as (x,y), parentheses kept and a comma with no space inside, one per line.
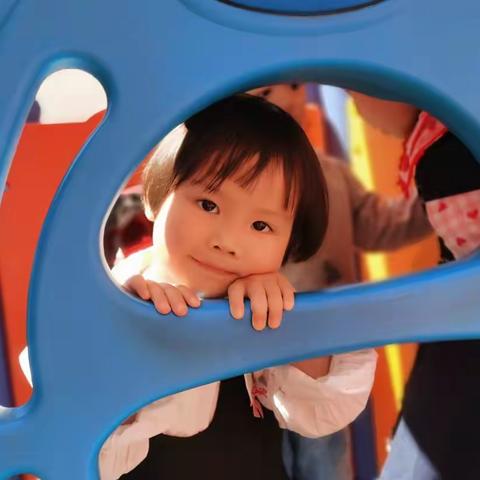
(213,269)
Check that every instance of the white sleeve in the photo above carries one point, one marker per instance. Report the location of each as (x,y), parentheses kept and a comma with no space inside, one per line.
(318,407)
(181,415)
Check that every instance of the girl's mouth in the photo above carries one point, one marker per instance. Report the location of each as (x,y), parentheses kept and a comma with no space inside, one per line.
(213,268)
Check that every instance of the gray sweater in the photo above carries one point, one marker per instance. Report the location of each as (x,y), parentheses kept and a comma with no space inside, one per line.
(358,221)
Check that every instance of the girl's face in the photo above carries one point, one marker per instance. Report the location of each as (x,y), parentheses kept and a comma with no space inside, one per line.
(212,238)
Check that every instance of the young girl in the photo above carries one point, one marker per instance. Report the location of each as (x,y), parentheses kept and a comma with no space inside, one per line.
(234,193)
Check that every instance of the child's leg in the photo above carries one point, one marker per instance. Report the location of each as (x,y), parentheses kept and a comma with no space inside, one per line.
(405,460)
(318,458)
(288,453)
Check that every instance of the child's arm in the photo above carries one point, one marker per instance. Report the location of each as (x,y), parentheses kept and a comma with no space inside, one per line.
(318,407)
(384,224)
(166,298)
(315,367)
(270,294)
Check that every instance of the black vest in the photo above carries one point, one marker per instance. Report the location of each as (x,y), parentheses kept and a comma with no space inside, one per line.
(236,446)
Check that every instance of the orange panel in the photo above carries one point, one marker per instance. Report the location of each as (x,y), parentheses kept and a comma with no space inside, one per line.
(315,126)
(384,408)
(43,155)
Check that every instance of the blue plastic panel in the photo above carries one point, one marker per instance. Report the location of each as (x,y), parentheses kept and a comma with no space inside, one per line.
(304,7)
(98,355)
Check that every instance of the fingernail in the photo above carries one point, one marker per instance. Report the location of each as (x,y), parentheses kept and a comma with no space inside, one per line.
(164,310)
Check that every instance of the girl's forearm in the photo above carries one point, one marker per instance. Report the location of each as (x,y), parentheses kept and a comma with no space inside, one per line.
(315,367)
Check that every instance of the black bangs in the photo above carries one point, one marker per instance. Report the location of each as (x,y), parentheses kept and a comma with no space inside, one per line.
(244,165)
(239,138)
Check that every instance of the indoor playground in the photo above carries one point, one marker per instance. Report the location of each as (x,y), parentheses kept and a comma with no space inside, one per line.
(63,180)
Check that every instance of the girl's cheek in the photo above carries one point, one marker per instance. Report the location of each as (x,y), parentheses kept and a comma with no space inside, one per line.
(269,256)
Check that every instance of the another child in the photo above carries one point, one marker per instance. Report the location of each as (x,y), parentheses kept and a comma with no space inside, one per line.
(437,436)
(234,193)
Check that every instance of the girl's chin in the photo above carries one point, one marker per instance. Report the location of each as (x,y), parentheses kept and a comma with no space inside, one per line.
(207,286)
(210,291)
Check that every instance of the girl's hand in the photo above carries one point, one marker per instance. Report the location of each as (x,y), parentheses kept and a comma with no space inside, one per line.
(166,298)
(270,294)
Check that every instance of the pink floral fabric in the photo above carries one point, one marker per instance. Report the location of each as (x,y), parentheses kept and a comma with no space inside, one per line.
(457,220)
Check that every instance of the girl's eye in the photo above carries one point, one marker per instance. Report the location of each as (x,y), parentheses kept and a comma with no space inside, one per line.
(260,226)
(208,206)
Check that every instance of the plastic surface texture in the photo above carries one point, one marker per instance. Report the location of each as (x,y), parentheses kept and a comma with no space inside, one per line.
(305,7)
(98,354)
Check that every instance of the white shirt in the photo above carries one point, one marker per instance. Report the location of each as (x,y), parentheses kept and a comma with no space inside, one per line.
(311,407)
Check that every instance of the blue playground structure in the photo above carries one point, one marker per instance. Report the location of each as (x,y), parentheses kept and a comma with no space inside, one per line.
(98,354)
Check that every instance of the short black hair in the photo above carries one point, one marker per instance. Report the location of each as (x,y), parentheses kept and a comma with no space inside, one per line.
(217,142)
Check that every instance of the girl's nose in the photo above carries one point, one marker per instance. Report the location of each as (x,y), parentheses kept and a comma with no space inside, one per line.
(225,243)
(223,247)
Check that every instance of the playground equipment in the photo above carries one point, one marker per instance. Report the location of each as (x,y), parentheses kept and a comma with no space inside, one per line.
(97,354)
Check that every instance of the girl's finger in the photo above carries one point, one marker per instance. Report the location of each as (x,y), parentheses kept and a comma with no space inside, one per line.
(138,286)
(175,299)
(159,298)
(236,296)
(288,293)
(258,305)
(190,296)
(275,304)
